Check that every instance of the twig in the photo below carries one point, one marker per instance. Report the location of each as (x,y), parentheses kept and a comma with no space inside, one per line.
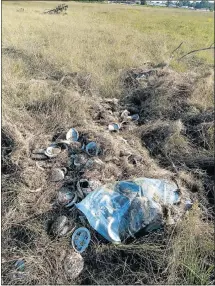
(176,49)
(194,51)
(171,57)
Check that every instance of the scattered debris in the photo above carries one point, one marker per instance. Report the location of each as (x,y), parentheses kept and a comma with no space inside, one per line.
(80,160)
(121,209)
(20,265)
(72,135)
(81,239)
(134,117)
(93,149)
(116,210)
(127,117)
(73,264)
(114,127)
(60,226)
(125,114)
(83,187)
(58,174)
(53,150)
(59,9)
(66,197)
(39,154)
(188,205)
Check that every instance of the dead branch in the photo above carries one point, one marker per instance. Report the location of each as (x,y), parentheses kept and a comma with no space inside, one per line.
(194,51)
(172,54)
(176,49)
(57,10)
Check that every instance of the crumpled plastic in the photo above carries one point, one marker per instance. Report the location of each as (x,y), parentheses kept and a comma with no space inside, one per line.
(121,209)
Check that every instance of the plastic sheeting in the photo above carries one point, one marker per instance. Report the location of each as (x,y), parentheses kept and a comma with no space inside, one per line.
(121,209)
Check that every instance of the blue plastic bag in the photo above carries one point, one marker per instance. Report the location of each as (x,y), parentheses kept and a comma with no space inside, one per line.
(121,209)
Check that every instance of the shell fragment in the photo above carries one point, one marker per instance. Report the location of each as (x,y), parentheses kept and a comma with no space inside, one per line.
(72,135)
(81,239)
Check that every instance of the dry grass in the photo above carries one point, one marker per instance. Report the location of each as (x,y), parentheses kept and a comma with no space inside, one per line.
(191,259)
(101,39)
(56,72)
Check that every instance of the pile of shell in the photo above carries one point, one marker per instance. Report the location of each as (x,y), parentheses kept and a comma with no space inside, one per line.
(82,157)
(78,175)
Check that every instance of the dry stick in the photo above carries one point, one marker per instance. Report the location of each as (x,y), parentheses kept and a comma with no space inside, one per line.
(194,51)
(171,57)
(176,49)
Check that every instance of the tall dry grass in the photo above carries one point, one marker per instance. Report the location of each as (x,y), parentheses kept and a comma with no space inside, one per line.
(101,39)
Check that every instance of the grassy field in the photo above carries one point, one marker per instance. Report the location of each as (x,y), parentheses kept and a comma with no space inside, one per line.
(58,72)
(101,39)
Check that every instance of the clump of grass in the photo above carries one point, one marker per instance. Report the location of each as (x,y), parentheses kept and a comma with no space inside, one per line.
(191,259)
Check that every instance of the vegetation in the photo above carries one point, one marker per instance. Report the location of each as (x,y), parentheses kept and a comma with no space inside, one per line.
(58,71)
(197,5)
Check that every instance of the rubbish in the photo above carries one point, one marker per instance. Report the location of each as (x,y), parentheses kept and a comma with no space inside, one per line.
(188,205)
(120,209)
(72,135)
(83,188)
(38,151)
(66,197)
(73,264)
(113,127)
(159,190)
(39,154)
(53,150)
(94,184)
(125,114)
(134,117)
(20,265)
(141,76)
(92,149)
(94,164)
(80,160)
(58,174)
(60,226)
(90,163)
(81,239)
